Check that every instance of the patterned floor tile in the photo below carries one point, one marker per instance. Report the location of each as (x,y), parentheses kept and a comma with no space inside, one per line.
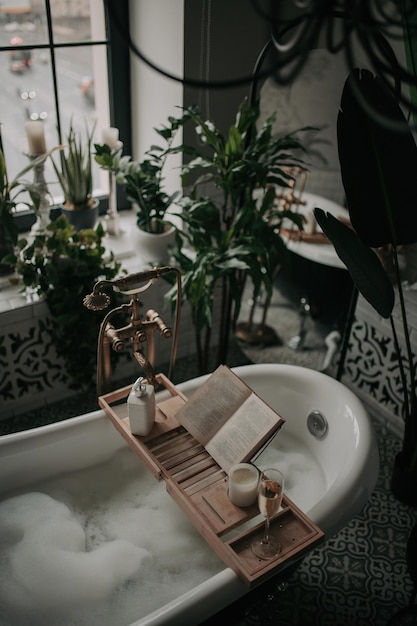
(357,578)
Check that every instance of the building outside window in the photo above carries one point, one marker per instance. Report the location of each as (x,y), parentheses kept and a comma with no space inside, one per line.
(54,67)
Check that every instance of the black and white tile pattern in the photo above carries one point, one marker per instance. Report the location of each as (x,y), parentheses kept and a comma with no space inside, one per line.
(357,578)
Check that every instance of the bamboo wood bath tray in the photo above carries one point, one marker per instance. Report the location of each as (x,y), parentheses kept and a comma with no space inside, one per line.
(199,486)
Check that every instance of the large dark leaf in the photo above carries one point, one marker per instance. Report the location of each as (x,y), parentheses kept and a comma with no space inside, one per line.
(378,163)
(363,264)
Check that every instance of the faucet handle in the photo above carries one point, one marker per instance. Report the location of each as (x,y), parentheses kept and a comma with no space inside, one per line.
(153,316)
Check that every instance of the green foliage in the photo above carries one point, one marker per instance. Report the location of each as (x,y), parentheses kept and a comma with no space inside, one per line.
(74,171)
(364,266)
(62,265)
(231,235)
(9,194)
(144,182)
(243,161)
(6,205)
(374,157)
(378,162)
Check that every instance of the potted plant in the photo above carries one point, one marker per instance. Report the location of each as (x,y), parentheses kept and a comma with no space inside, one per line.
(9,194)
(144,185)
(60,264)
(229,235)
(378,160)
(75,176)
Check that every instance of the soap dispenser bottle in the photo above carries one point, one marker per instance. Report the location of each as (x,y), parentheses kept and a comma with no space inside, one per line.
(141,408)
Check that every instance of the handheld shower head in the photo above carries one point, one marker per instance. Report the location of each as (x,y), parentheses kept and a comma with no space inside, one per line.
(96,301)
(126,285)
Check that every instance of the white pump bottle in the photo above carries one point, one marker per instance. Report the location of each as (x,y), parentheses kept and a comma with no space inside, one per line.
(141,408)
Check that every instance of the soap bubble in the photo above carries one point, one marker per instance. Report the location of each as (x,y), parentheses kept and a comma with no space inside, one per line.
(96,547)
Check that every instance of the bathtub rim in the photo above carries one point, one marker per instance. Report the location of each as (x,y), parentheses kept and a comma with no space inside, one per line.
(319,513)
(226,580)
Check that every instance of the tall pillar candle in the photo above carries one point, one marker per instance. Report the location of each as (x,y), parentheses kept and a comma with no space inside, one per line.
(35,132)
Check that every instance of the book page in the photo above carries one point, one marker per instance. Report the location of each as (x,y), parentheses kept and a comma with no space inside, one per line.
(213,404)
(252,424)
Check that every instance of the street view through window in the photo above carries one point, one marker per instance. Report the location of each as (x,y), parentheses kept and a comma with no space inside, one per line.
(52,69)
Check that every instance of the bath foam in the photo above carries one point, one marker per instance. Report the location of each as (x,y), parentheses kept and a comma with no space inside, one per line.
(48,552)
(305,479)
(102,546)
(115,504)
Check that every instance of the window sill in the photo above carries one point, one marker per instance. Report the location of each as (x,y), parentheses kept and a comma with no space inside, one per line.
(14,303)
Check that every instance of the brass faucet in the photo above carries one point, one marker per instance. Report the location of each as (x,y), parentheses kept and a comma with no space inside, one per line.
(139,332)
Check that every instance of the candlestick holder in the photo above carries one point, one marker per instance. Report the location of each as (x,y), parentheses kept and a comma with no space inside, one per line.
(42,210)
(112,216)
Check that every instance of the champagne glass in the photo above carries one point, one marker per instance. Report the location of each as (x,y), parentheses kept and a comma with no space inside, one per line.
(270,489)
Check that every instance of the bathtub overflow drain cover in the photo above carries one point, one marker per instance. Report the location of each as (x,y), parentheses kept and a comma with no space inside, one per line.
(317,424)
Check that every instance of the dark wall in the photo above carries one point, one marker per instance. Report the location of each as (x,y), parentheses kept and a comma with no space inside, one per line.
(223,39)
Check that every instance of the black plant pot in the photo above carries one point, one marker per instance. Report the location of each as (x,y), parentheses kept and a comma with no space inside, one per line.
(403,484)
(82,218)
(6,247)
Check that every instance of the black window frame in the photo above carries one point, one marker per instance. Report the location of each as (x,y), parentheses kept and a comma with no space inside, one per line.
(118,64)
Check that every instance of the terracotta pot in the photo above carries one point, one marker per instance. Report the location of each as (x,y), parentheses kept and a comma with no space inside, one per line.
(151,247)
(403,485)
(82,218)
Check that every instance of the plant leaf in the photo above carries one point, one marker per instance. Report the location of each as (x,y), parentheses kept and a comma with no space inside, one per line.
(378,162)
(363,264)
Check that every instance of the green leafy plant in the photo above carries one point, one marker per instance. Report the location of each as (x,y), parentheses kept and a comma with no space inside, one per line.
(378,159)
(229,235)
(10,192)
(7,203)
(144,181)
(74,171)
(61,265)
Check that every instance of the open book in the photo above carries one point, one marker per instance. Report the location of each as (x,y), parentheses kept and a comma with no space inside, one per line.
(228,418)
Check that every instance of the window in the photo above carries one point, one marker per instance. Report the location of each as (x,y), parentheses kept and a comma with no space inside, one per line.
(56,60)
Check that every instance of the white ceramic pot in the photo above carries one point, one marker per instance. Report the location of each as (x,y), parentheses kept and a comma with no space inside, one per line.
(153,247)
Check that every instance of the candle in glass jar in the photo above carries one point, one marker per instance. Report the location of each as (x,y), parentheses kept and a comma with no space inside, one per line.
(243,484)
(110,136)
(35,132)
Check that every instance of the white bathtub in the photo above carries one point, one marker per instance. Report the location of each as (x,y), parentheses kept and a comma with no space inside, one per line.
(330,479)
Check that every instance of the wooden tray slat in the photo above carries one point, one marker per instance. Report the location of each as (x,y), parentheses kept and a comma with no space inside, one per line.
(189,462)
(211,476)
(166,439)
(183,449)
(207,469)
(199,486)
(214,503)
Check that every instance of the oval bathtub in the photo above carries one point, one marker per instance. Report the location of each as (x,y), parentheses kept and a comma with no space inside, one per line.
(87,487)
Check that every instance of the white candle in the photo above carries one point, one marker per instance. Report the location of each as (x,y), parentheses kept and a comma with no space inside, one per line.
(243,484)
(110,136)
(35,132)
